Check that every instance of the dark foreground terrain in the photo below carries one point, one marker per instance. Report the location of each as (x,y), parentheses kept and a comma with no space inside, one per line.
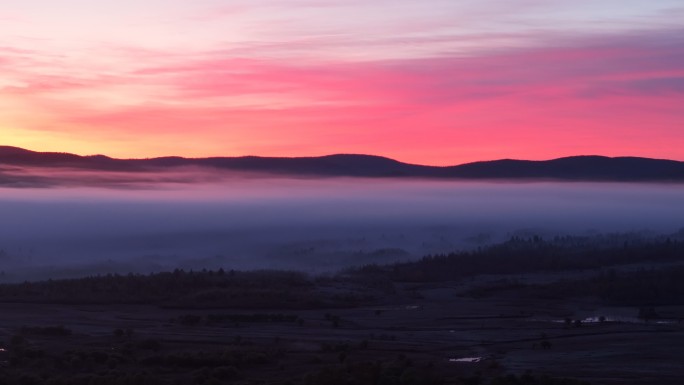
(572,310)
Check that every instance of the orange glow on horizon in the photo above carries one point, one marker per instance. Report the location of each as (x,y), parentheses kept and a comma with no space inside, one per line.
(439,96)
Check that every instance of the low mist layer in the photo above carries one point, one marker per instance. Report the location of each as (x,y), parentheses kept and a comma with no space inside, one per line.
(194,219)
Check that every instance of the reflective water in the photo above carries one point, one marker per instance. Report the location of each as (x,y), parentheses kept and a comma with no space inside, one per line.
(466,359)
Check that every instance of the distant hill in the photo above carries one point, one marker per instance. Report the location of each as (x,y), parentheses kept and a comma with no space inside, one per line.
(576,168)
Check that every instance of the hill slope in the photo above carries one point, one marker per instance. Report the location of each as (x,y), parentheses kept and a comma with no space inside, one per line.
(593,168)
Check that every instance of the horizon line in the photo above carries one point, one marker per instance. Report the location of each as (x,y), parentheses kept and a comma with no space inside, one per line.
(340,154)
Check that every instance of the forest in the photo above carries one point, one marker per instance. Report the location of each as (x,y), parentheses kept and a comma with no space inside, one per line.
(373,324)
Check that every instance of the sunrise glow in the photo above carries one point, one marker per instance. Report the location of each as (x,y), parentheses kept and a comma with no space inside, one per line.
(433,82)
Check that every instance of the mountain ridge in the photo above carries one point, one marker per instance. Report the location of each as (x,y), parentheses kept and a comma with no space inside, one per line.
(575,168)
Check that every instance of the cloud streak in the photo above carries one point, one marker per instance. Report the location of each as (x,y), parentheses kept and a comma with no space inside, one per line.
(450,93)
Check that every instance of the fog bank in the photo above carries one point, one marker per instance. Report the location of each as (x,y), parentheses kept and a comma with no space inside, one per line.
(310,224)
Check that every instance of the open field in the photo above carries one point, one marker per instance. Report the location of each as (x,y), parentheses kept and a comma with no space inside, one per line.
(423,333)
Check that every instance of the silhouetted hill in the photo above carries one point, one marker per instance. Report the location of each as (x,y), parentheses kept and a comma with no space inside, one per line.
(20,156)
(591,168)
(331,165)
(575,168)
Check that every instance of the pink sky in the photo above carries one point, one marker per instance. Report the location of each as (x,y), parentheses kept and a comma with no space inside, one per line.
(433,82)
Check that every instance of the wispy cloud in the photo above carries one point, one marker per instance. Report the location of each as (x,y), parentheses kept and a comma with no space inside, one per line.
(435,83)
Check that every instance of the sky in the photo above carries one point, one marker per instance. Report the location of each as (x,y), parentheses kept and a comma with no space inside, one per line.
(434,82)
